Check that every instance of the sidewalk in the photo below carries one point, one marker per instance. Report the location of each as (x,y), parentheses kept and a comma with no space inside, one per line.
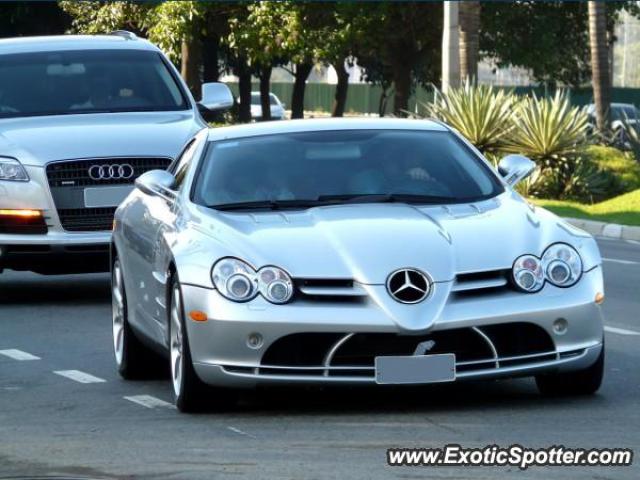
(611,230)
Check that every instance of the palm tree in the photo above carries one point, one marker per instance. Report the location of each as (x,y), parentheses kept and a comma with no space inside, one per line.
(469,40)
(600,62)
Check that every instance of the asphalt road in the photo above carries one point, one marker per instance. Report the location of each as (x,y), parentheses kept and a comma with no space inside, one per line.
(53,425)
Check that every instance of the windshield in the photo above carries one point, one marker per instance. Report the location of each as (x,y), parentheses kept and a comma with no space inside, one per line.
(307,169)
(625,112)
(87,81)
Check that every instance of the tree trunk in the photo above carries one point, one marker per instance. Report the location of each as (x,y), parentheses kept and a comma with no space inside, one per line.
(469,41)
(297,97)
(210,58)
(340,99)
(191,61)
(402,84)
(451,46)
(244,87)
(600,63)
(265,89)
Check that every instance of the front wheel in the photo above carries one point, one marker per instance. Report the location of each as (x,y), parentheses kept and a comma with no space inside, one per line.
(191,393)
(580,382)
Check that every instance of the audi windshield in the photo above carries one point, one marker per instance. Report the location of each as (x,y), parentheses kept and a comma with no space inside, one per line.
(87,81)
(300,170)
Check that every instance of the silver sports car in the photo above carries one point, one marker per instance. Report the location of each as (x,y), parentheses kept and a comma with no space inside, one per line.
(349,252)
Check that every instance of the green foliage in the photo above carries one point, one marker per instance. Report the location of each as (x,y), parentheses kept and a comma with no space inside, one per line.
(549,38)
(91,17)
(621,164)
(484,115)
(547,129)
(169,23)
(623,209)
(575,178)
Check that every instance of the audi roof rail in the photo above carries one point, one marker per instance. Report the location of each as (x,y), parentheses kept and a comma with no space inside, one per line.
(127,35)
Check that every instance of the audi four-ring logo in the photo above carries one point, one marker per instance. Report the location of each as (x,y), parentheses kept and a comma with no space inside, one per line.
(111,172)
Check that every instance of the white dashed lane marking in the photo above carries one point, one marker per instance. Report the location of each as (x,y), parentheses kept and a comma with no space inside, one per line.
(623,262)
(78,376)
(620,331)
(18,354)
(149,401)
(240,432)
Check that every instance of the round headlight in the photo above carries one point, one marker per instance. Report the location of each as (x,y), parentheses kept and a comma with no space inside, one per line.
(275,284)
(562,265)
(234,279)
(528,274)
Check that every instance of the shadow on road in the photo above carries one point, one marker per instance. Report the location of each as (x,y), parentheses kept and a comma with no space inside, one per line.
(33,289)
(514,394)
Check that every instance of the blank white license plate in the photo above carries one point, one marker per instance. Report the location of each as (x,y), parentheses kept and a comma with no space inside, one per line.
(416,369)
(106,196)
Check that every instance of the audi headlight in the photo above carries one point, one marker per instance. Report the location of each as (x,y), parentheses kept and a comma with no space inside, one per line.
(238,281)
(275,284)
(12,170)
(528,274)
(234,279)
(562,265)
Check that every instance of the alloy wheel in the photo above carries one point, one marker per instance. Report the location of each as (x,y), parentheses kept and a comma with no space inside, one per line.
(118,311)
(177,357)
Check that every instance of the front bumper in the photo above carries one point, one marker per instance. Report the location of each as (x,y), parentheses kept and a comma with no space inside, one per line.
(494,335)
(57,251)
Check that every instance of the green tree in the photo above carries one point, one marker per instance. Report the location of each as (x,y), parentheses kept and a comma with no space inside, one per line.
(549,38)
(258,37)
(404,44)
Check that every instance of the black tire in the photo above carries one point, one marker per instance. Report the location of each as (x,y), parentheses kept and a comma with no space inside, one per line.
(580,382)
(137,361)
(191,394)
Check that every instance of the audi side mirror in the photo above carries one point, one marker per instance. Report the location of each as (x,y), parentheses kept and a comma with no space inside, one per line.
(515,168)
(216,97)
(156,183)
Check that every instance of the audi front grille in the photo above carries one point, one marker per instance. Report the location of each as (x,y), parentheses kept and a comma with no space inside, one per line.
(67,180)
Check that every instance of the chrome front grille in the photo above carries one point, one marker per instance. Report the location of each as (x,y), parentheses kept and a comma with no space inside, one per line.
(68,179)
(75,173)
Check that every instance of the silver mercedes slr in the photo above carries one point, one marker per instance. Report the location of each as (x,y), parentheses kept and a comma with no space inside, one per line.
(349,252)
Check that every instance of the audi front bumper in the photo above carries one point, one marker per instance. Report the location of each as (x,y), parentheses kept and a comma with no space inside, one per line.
(57,251)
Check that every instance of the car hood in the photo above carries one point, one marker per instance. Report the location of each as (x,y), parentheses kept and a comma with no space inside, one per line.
(367,242)
(39,140)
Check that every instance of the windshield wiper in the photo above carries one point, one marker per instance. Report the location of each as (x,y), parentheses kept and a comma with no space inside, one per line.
(267,204)
(385,198)
(333,200)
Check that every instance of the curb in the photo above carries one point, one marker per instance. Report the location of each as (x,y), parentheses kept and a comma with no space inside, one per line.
(609,230)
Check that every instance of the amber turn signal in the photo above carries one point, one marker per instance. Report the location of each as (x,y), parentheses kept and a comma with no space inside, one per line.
(599,298)
(20,213)
(198,316)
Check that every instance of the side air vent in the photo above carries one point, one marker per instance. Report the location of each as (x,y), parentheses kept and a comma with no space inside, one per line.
(330,288)
(469,282)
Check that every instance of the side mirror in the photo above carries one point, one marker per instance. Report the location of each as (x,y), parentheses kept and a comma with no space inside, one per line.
(515,168)
(216,96)
(156,183)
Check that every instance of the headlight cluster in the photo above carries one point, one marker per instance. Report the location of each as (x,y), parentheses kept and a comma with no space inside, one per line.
(11,169)
(560,265)
(238,281)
